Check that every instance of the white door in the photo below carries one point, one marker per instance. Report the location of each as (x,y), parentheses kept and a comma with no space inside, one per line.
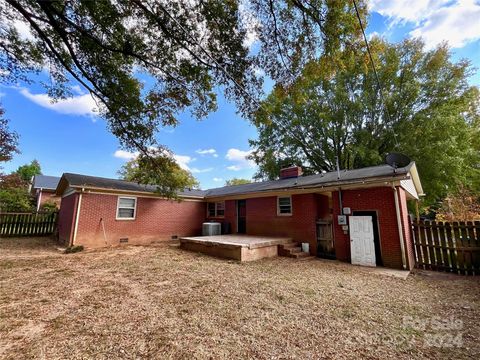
(362,246)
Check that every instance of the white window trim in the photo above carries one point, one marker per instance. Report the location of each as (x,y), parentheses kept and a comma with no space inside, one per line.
(134,208)
(278,206)
(216,215)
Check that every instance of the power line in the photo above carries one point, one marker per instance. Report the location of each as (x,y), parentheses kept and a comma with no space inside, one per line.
(379,85)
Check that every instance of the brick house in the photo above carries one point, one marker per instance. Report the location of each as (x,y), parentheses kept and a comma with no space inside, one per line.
(43,189)
(326,211)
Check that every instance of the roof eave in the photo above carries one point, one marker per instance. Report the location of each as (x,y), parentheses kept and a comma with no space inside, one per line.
(416,179)
(323,187)
(131,192)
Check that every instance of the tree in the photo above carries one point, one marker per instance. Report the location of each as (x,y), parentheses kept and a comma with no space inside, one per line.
(144,170)
(237,181)
(14,196)
(462,205)
(28,171)
(8,139)
(430,110)
(186,49)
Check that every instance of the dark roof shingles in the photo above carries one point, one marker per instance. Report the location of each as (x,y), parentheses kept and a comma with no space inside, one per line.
(300,182)
(116,184)
(45,182)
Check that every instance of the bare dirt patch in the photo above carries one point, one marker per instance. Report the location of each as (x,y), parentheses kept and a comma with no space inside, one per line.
(162,302)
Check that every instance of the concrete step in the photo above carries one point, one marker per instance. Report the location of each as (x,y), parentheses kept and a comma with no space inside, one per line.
(298,255)
(295,249)
(289,245)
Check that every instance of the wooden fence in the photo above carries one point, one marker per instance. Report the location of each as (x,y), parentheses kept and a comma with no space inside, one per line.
(28,224)
(451,247)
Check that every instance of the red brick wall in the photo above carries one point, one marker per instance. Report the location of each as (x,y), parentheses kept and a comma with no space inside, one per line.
(375,199)
(156,219)
(262,219)
(229,217)
(50,197)
(66,218)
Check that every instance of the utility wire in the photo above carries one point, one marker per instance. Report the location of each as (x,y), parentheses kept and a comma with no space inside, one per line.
(379,85)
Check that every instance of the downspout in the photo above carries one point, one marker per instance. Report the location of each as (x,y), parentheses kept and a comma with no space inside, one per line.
(340,201)
(39,200)
(339,188)
(77,216)
(400,228)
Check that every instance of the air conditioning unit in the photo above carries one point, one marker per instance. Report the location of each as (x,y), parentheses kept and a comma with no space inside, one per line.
(211,228)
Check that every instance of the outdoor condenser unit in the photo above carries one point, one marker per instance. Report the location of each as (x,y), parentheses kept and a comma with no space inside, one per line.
(211,228)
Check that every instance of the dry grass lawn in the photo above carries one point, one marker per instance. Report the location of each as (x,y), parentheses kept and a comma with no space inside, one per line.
(162,302)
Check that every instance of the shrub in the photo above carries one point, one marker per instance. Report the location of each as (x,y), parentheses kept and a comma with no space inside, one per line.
(73,249)
(15,200)
(49,206)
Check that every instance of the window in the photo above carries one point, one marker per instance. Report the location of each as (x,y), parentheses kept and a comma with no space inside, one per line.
(220,208)
(284,205)
(126,207)
(216,209)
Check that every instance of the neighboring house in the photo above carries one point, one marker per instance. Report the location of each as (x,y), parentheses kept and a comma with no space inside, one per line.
(43,188)
(324,210)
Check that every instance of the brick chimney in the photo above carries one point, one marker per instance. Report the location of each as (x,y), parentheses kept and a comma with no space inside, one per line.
(291,172)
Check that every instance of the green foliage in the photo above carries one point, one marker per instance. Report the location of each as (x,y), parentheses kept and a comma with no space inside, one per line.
(28,171)
(8,139)
(188,48)
(74,249)
(15,200)
(158,167)
(237,181)
(430,109)
(49,206)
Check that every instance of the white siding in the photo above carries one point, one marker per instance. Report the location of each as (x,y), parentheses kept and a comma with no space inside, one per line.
(409,187)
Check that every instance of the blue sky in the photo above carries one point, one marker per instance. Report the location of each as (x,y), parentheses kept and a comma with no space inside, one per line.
(66,137)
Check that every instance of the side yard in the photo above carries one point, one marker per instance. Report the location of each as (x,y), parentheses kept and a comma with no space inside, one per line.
(162,302)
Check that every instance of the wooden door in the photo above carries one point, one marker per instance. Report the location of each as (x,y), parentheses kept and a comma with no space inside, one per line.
(325,244)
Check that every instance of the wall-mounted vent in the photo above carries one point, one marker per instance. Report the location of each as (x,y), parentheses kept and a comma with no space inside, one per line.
(123,240)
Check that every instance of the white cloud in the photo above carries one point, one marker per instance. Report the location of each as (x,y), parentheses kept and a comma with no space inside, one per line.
(125,155)
(198,171)
(83,105)
(458,24)
(212,152)
(23,30)
(250,24)
(435,21)
(239,157)
(182,160)
(216,179)
(77,89)
(234,167)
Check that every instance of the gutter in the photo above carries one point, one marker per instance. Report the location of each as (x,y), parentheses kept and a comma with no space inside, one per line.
(399,225)
(324,187)
(133,192)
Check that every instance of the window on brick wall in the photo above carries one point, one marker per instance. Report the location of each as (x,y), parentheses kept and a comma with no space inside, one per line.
(284,205)
(126,208)
(216,209)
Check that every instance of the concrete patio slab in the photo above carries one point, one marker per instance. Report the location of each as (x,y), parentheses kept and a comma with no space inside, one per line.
(237,247)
